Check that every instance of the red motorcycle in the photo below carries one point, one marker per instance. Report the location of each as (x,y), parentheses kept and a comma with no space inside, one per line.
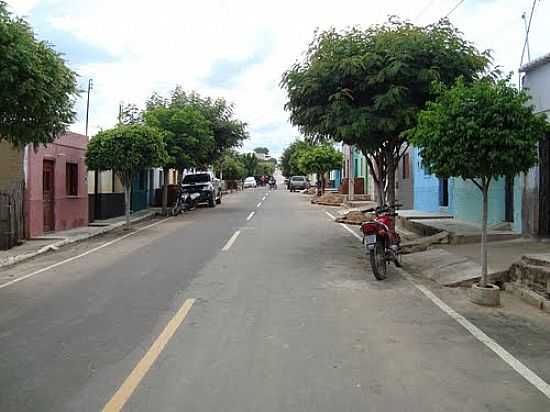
(381,239)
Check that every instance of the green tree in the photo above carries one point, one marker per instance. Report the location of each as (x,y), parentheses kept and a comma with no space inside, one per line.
(126,149)
(228,132)
(250,163)
(263,150)
(366,87)
(188,136)
(130,114)
(320,159)
(232,168)
(38,89)
(479,131)
(289,159)
(265,168)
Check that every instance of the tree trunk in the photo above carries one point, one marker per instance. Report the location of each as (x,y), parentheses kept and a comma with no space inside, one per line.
(127,194)
(390,189)
(485,190)
(165,191)
(378,183)
(322,183)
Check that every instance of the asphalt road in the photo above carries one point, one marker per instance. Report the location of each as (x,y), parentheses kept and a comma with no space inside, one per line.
(285,316)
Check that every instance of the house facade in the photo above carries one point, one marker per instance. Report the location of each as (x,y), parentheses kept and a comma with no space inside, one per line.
(356,167)
(534,186)
(463,199)
(405,180)
(56,196)
(12,186)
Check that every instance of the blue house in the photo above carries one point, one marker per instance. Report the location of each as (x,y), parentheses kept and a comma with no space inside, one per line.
(463,199)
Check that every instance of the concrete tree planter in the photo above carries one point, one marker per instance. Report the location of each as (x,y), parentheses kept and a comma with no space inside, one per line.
(486,296)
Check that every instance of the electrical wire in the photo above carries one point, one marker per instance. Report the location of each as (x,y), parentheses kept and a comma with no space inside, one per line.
(454,8)
(426,7)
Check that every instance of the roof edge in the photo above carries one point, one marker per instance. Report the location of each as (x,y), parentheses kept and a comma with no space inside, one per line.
(541,61)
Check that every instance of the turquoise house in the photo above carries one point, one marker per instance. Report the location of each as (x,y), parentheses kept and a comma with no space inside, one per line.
(463,199)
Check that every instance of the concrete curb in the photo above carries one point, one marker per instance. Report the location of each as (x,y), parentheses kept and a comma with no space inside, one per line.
(13,260)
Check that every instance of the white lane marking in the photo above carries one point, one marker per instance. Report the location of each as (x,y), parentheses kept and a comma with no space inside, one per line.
(95,249)
(259,204)
(329,215)
(502,353)
(250,216)
(352,232)
(231,241)
(263,198)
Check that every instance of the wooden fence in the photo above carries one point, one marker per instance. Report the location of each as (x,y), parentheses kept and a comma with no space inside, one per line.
(11,216)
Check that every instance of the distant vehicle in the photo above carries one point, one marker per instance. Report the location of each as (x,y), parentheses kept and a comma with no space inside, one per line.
(206,185)
(297,183)
(249,182)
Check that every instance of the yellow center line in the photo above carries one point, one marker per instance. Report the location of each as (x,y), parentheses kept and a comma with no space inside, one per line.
(121,396)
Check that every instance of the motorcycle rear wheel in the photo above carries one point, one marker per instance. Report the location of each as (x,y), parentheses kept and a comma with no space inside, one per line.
(378,261)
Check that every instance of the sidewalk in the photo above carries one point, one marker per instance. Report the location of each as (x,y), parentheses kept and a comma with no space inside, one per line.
(460,232)
(460,264)
(55,240)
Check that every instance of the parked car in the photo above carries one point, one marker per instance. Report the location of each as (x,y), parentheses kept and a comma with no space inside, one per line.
(249,182)
(297,183)
(206,185)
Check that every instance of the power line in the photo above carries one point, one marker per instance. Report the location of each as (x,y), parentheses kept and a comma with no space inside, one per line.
(454,8)
(526,44)
(426,7)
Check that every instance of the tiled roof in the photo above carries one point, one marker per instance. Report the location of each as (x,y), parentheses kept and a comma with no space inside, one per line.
(541,61)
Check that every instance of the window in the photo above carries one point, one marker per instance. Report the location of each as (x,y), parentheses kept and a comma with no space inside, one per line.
(71,179)
(405,165)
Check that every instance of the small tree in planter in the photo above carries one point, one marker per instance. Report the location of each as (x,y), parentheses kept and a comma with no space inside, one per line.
(126,149)
(479,132)
(320,160)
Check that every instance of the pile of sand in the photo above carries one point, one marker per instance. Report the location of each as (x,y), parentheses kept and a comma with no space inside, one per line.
(335,199)
(310,191)
(355,218)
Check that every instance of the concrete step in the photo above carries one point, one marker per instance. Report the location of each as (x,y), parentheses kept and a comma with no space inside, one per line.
(537,259)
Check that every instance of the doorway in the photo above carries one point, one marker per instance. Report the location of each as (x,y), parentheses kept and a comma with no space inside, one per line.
(509,199)
(48,193)
(444,192)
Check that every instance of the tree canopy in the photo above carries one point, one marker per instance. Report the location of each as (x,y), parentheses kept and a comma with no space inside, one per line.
(126,149)
(38,89)
(200,130)
(366,87)
(263,150)
(290,159)
(320,159)
(484,129)
(232,167)
(188,135)
(250,163)
(479,131)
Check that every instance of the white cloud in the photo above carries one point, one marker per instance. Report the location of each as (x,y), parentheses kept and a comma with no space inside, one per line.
(157,45)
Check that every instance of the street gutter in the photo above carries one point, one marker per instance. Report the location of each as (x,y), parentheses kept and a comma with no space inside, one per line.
(13,260)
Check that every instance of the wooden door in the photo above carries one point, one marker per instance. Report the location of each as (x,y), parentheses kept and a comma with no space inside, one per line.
(48,192)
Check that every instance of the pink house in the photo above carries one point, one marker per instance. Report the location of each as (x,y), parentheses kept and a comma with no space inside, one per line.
(56,194)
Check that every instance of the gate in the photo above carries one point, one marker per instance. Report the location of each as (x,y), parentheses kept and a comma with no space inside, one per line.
(11,216)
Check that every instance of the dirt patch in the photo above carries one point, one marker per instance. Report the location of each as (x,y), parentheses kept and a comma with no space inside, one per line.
(310,191)
(329,199)
(355,218)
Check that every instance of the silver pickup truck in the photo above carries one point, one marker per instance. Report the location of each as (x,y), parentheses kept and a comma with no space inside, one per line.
(206,185)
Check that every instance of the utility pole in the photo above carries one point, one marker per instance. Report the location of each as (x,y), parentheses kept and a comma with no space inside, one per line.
(90,87)
(524,17)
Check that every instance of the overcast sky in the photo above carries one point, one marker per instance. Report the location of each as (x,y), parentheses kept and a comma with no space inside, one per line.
(238,49)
